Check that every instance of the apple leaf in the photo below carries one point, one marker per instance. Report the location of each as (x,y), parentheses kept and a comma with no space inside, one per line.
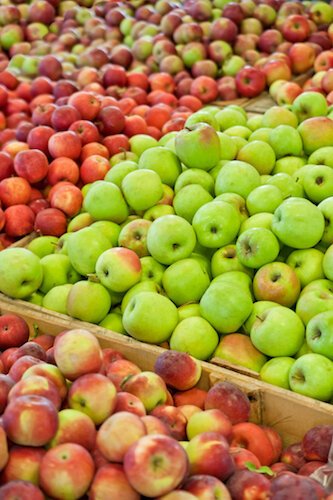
(261,470)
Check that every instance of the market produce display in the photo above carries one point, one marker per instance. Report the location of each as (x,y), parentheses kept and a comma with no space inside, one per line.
(78,419)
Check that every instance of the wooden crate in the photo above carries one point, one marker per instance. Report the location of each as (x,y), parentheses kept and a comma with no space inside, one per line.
(23,242)
(289,413)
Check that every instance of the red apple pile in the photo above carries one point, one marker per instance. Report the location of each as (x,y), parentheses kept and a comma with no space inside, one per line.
(79,420)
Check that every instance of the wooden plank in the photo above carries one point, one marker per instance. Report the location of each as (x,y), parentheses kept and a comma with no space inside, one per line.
(23,242)
(242,101)
(234,367)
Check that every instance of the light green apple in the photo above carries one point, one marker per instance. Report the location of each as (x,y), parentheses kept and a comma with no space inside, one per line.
(237,177)
(278,331)
(279,115)
(232,65)
(318,183)
(157,211)
(265,198)
(286,140)
(254,122)
(151,270)
(79,222)
(326,207)
(276,371)
(225,259)
(328,263)
(35,298)
(170,238)
(229,117)
(263,219)
(123,156)
(312,375)
(150,317)
(195,336)
(258,307)
(88,301)
(256,247)
(140,142)
(305,349)
(43,245)
(57,270)
(298,223)
(56,298)
(165,138)
(228,147)
(142,189)
(216,224)
(239,131)
(319,334)
(84,247)
(118,172)
(287,184)
(226,306)
(308,264)
(163,161)
(189,199)
(111,230)
(61,246)
(261,134)
(202,116)
(309,104)
(113,321)
(21,272)
(259,154)
(316,299)
(142,286)
(188,310)
(289,164)
(104,201)
(198,146)
(237,201)
(195,176)
(238,349)
(322,156)
(118,269)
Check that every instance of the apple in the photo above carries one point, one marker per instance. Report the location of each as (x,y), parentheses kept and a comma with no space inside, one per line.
(14,331)
(311,375)
(195,336)
(256,247)
(308,264)
(142,189)
(203,485)
(84,248)
(104,201)
(88,301)
(259,154)
(149,387)
(36,385)
(277,282)
(165,368)
(265,198)
(118,269)
(285,140)
(22,489)
(248,483)
(239,350)
(309,131)
(189,199)
(316,443)
(237,177)
(276,371)
(206,152)
(163,161)
(250,81)
(315,298)
(316,334)
(74,427)
(111,479)
(21,271)
(308,105)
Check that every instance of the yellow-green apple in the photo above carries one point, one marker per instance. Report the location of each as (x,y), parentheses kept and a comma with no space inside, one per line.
(326,207)
(170,238)
(216,224)
(50,372)
(198,146)
(228,147)
(195,336)
(84,247)
(288,185)
(316,132)
(316,297)
(258,307)
(120,370)
(57,270)
(278,332)
(226,306)
(276,115)
(77,352)
(118,269)
(286,140)
(259,154)
(140,142)
(208,453)
(56,298)
(154,425)
(203,116)
(188,310)
(232,65)
(149,387)
(156,465)
(151,270)
(74,427)
(265,198)
(88,301)
(298,223)
(30,420)
(128,402)
(158,211)
(117,433)
(179,370)
(195,176)
(163,161)
(93,394)
(189,199)
(277,282)
(79,222)
(240,278)
(289,164)
(142,286)
(66,471)
(276,371)
(308,264)
(318,183)
(185,281)
(21,272)
(327,263)
(118,172)
(211,420)
(229,117)
(104,201)
(322,156)
(142,189)
(256,247)
(173,418)
(225,260)
(230,399)
(134,236)
(237,201)
(238,349)
(312,376)
(37,385)
(44,245)
(113,321)
(237,177)
(308,105)
(318,334)
(111,479)
(204,486)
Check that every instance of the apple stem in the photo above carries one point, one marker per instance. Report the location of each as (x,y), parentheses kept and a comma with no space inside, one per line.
(93,278)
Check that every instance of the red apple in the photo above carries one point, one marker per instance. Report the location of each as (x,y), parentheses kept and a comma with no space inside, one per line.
(65,143)
(14,331)
(24,490)
(23,464)
(51,221)
(250,82)
(14,191)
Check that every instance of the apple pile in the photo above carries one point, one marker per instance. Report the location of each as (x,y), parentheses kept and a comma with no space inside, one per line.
(216,242)
(79,420)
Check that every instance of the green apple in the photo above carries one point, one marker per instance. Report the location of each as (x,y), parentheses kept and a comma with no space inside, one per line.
(258,307)
(238,349)
(225,259)
(289,164)
(214,172)
(189,199)
(326,207)
(232,65)
(286,140)
(163,161)
(254,122)
(317,297)
(229,117)
(263,219)
(195,176)
(261,134)
(134,236)
(328,263)
(61,246)
(298,223)
(104,201)
(44,245)
(265,198)
(170,238)
(165,138)
(88,301)
(239,131)
(56,298)
(185,281)
(57,270)
(322,156)
(305,349)
(142,189)
(216,224)
(36,298)
(228,147)
(256,247)
(319,334)
(195,336)
(140,142)
(279,115)
(151,270)
(150,317)
(142,286)
(118,269)
(259,154)
(312,375)
(239,141)
(321,12)
(188,310)
(113,321)
(109,229)
(157,211)
(226,306)
(309,104)
(308,264)
(21,272)
(237,177)
(123,156)
(287,185)
(202,116)
(316,133)
(237,201)
(278,331)
(79,221)
(84,247)
(198,146)
(276,371)
(318,183)
(118,172)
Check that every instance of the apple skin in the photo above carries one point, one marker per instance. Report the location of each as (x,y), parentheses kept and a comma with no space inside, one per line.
(23,464)
(312,376)
(308,265)
(14,331)
(206,153)
(88,301)
(276,371)
(277,282)
(156,480)
(237,177)
(316,132)
(50,372)
(37,385)
(84,247)
(195,336)
(256,247)
(111,479)
(21,272)
(164,162)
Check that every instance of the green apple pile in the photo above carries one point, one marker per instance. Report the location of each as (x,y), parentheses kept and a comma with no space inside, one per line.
(217,241)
